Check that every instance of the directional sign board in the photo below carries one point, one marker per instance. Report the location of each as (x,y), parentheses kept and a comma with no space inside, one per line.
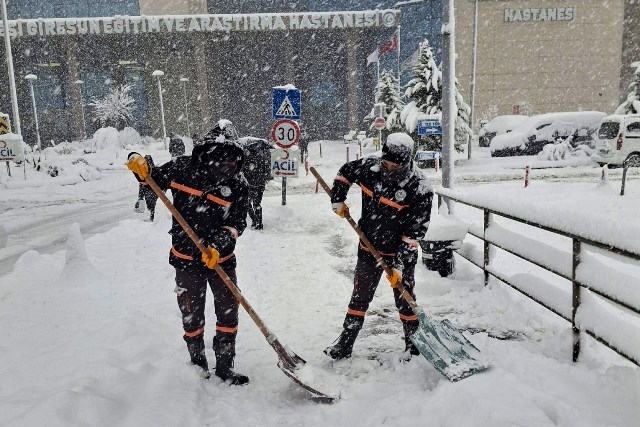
(5,126)
(11,147)
(285,103)
(284,163)
(285,133)
(429,127)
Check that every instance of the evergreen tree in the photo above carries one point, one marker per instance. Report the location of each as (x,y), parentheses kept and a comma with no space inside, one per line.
(462,132)
(632,104)
(388,93)
(424,91)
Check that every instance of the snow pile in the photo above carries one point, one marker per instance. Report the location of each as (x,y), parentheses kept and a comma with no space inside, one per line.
(445,227)
(78,270)
(563,150)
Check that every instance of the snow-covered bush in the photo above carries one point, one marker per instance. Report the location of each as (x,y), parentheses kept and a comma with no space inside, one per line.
(116,108)
(564,150)
(129,137)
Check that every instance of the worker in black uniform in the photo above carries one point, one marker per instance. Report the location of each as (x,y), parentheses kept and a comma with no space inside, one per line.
(396,208)
(210,193)
(257,171)
(146,194)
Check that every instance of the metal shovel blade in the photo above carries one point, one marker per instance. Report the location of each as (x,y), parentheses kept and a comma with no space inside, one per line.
(317,382)
(453,355)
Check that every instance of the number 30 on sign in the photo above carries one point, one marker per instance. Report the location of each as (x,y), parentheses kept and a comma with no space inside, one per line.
(285,133)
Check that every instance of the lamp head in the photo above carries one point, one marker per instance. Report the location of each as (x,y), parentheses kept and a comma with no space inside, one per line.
(157,73)
(31,77)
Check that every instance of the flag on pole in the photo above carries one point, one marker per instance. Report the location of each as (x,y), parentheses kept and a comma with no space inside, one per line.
(391,45)
(373,57)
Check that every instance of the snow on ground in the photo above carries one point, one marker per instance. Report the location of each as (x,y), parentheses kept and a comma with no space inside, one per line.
(99,341)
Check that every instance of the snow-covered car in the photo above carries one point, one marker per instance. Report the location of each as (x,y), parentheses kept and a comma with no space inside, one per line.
(618,140)
(530,137)
(497,126)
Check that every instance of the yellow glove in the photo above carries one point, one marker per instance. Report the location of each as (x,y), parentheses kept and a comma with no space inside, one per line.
(395,278)
(138,165)
(340,208)
(210,259)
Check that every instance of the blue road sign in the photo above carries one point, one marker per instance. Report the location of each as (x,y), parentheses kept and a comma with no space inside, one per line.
(429,127)
(285,103)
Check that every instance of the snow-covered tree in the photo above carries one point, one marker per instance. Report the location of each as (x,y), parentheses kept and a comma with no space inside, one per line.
(462,132)
(425,93)
(388,93)
(632,104)
(116,108)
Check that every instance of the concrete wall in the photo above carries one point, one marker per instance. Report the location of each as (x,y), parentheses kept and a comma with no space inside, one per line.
(541,66)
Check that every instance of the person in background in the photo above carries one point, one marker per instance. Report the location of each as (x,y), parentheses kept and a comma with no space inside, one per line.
(396,208)
(303,145)
(209,192)
(146,194)
(257,171)
(176,146)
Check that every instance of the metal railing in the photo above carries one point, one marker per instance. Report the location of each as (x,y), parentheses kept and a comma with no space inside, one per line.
(577,286)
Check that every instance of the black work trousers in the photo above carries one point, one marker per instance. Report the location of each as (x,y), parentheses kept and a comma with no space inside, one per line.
(191,287)
(255,207)
(367,277)
(145,192)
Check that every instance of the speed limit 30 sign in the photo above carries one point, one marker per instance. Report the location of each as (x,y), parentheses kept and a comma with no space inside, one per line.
(285,133)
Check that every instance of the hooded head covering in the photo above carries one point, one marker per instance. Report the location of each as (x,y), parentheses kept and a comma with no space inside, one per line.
(216,148)
(398,148)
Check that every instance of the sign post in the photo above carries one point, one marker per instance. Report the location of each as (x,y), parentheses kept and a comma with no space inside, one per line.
(285,133)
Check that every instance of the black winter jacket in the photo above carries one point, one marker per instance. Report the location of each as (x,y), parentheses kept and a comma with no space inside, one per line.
(257,166)
(395,216)
(216,212)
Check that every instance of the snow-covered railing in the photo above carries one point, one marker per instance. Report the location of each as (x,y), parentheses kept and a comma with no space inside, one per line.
(602,302)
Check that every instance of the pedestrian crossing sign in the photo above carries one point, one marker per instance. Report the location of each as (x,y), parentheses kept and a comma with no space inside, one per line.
(285,102)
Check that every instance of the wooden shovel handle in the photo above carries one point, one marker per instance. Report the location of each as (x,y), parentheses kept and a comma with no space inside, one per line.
(403,290)
(196,240)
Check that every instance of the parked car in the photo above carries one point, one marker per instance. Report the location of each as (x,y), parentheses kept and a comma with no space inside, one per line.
(497,126)
(530,137)
(618,140)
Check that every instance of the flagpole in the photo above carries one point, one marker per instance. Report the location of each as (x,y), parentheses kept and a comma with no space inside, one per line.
(399,82)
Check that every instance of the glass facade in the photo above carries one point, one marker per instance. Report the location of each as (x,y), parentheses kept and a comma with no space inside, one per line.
(319,66)
(31,9)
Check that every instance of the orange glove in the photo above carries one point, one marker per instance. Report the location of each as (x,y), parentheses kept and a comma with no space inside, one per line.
(138,165)
(210,259)
(395,278)
(340,208)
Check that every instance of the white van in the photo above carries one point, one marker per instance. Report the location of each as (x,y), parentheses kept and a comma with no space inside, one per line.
(618,140)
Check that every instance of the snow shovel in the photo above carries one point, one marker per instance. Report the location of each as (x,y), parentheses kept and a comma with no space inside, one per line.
(450,352)
(290,363)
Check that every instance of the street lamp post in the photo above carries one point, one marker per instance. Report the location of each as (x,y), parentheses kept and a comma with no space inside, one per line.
(184,81)
(158,74)
(31,78)
(84,125)
(473,71)
(12,77)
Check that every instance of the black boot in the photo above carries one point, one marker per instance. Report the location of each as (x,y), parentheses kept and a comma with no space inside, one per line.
(410,349)
(225,353)
(343,346)
(195,345)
